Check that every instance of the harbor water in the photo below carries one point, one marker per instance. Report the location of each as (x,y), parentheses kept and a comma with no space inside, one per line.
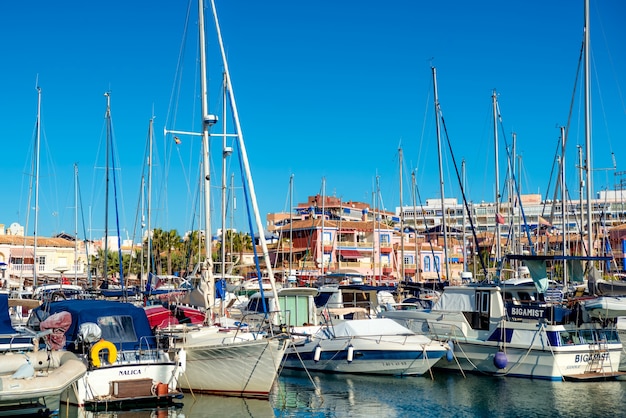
(297,394)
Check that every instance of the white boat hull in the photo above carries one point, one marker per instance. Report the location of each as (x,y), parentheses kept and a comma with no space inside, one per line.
(367,346)
(100,385)
(228,363)
(388,355)
(549,363)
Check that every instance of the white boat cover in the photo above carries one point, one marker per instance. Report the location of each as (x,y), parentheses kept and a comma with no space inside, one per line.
(367,327)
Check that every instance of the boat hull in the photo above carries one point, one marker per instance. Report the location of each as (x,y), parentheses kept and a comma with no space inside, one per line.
(225,363)
(110,385)
(550,363)
(387,355)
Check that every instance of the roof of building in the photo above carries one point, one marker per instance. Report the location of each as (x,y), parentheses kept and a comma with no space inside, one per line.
(30,241)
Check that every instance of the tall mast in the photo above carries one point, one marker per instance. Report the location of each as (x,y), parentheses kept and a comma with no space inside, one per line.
(106,193)
(75,224)
(401,219)
(290,224)
(443,205)
(563,206)
(464,247)
(494,101)
(150,143)
(323,217)
(207,121)
(244,156)
(226,151)
(588,169)
(417,252)
(37,156)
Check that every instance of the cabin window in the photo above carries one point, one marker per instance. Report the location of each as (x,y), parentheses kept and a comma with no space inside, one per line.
(118,328)
(567,338)
(484,305)
(586,336)
(427,263)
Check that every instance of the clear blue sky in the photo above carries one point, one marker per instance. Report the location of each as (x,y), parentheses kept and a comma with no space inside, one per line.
(325,89)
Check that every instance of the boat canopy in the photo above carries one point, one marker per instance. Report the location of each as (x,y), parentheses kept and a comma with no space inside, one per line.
(368,327)
(123,324)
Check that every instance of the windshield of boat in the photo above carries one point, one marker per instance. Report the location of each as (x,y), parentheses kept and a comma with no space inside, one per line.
(117,328)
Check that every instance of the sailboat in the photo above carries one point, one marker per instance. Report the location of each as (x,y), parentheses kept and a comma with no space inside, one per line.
(222,360)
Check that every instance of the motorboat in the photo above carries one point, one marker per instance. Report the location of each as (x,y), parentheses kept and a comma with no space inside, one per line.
(365,346)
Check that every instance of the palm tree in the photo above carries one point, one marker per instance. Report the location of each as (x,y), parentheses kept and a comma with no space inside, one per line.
(172,242)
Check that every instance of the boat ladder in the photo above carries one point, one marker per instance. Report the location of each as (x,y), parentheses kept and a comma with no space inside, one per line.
(598,352)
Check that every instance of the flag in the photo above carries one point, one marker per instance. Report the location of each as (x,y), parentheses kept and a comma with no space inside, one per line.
(499,219)
(177,140)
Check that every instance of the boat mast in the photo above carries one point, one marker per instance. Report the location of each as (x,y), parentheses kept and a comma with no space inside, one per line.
(75,224)
(443,205)
(588,169)
(106,193)
(563,206)
(149,215)
(290,224)
(323,217)
(494,100)
(226,151)
(244,156)
(37,156)
(207,121)
(401,219)
(464,248)
(417,253)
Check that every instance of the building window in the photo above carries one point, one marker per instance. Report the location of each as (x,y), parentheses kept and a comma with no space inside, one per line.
(437,263)
(427,263)
(384,239)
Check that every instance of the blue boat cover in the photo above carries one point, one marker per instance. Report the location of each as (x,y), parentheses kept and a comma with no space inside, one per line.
(5,319)
(123,324)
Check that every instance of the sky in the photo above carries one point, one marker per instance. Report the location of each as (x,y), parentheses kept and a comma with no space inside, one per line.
(327,92)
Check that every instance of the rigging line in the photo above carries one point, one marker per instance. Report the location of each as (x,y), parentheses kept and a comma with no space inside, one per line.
(467,207)
(250,226)
(176,85)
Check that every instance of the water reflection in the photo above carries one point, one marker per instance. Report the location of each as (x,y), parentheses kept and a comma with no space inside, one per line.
(296,394)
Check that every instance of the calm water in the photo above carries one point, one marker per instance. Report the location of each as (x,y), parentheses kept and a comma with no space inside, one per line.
(446,395)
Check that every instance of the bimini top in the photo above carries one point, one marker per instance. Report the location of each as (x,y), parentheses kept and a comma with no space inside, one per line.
(123,324)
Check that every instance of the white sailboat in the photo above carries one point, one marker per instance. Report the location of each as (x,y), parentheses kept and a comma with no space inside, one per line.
(220,360)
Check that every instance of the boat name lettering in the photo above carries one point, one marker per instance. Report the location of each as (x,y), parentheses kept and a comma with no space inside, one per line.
(132,372)
(394,363)
(528,312)
(586,358)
